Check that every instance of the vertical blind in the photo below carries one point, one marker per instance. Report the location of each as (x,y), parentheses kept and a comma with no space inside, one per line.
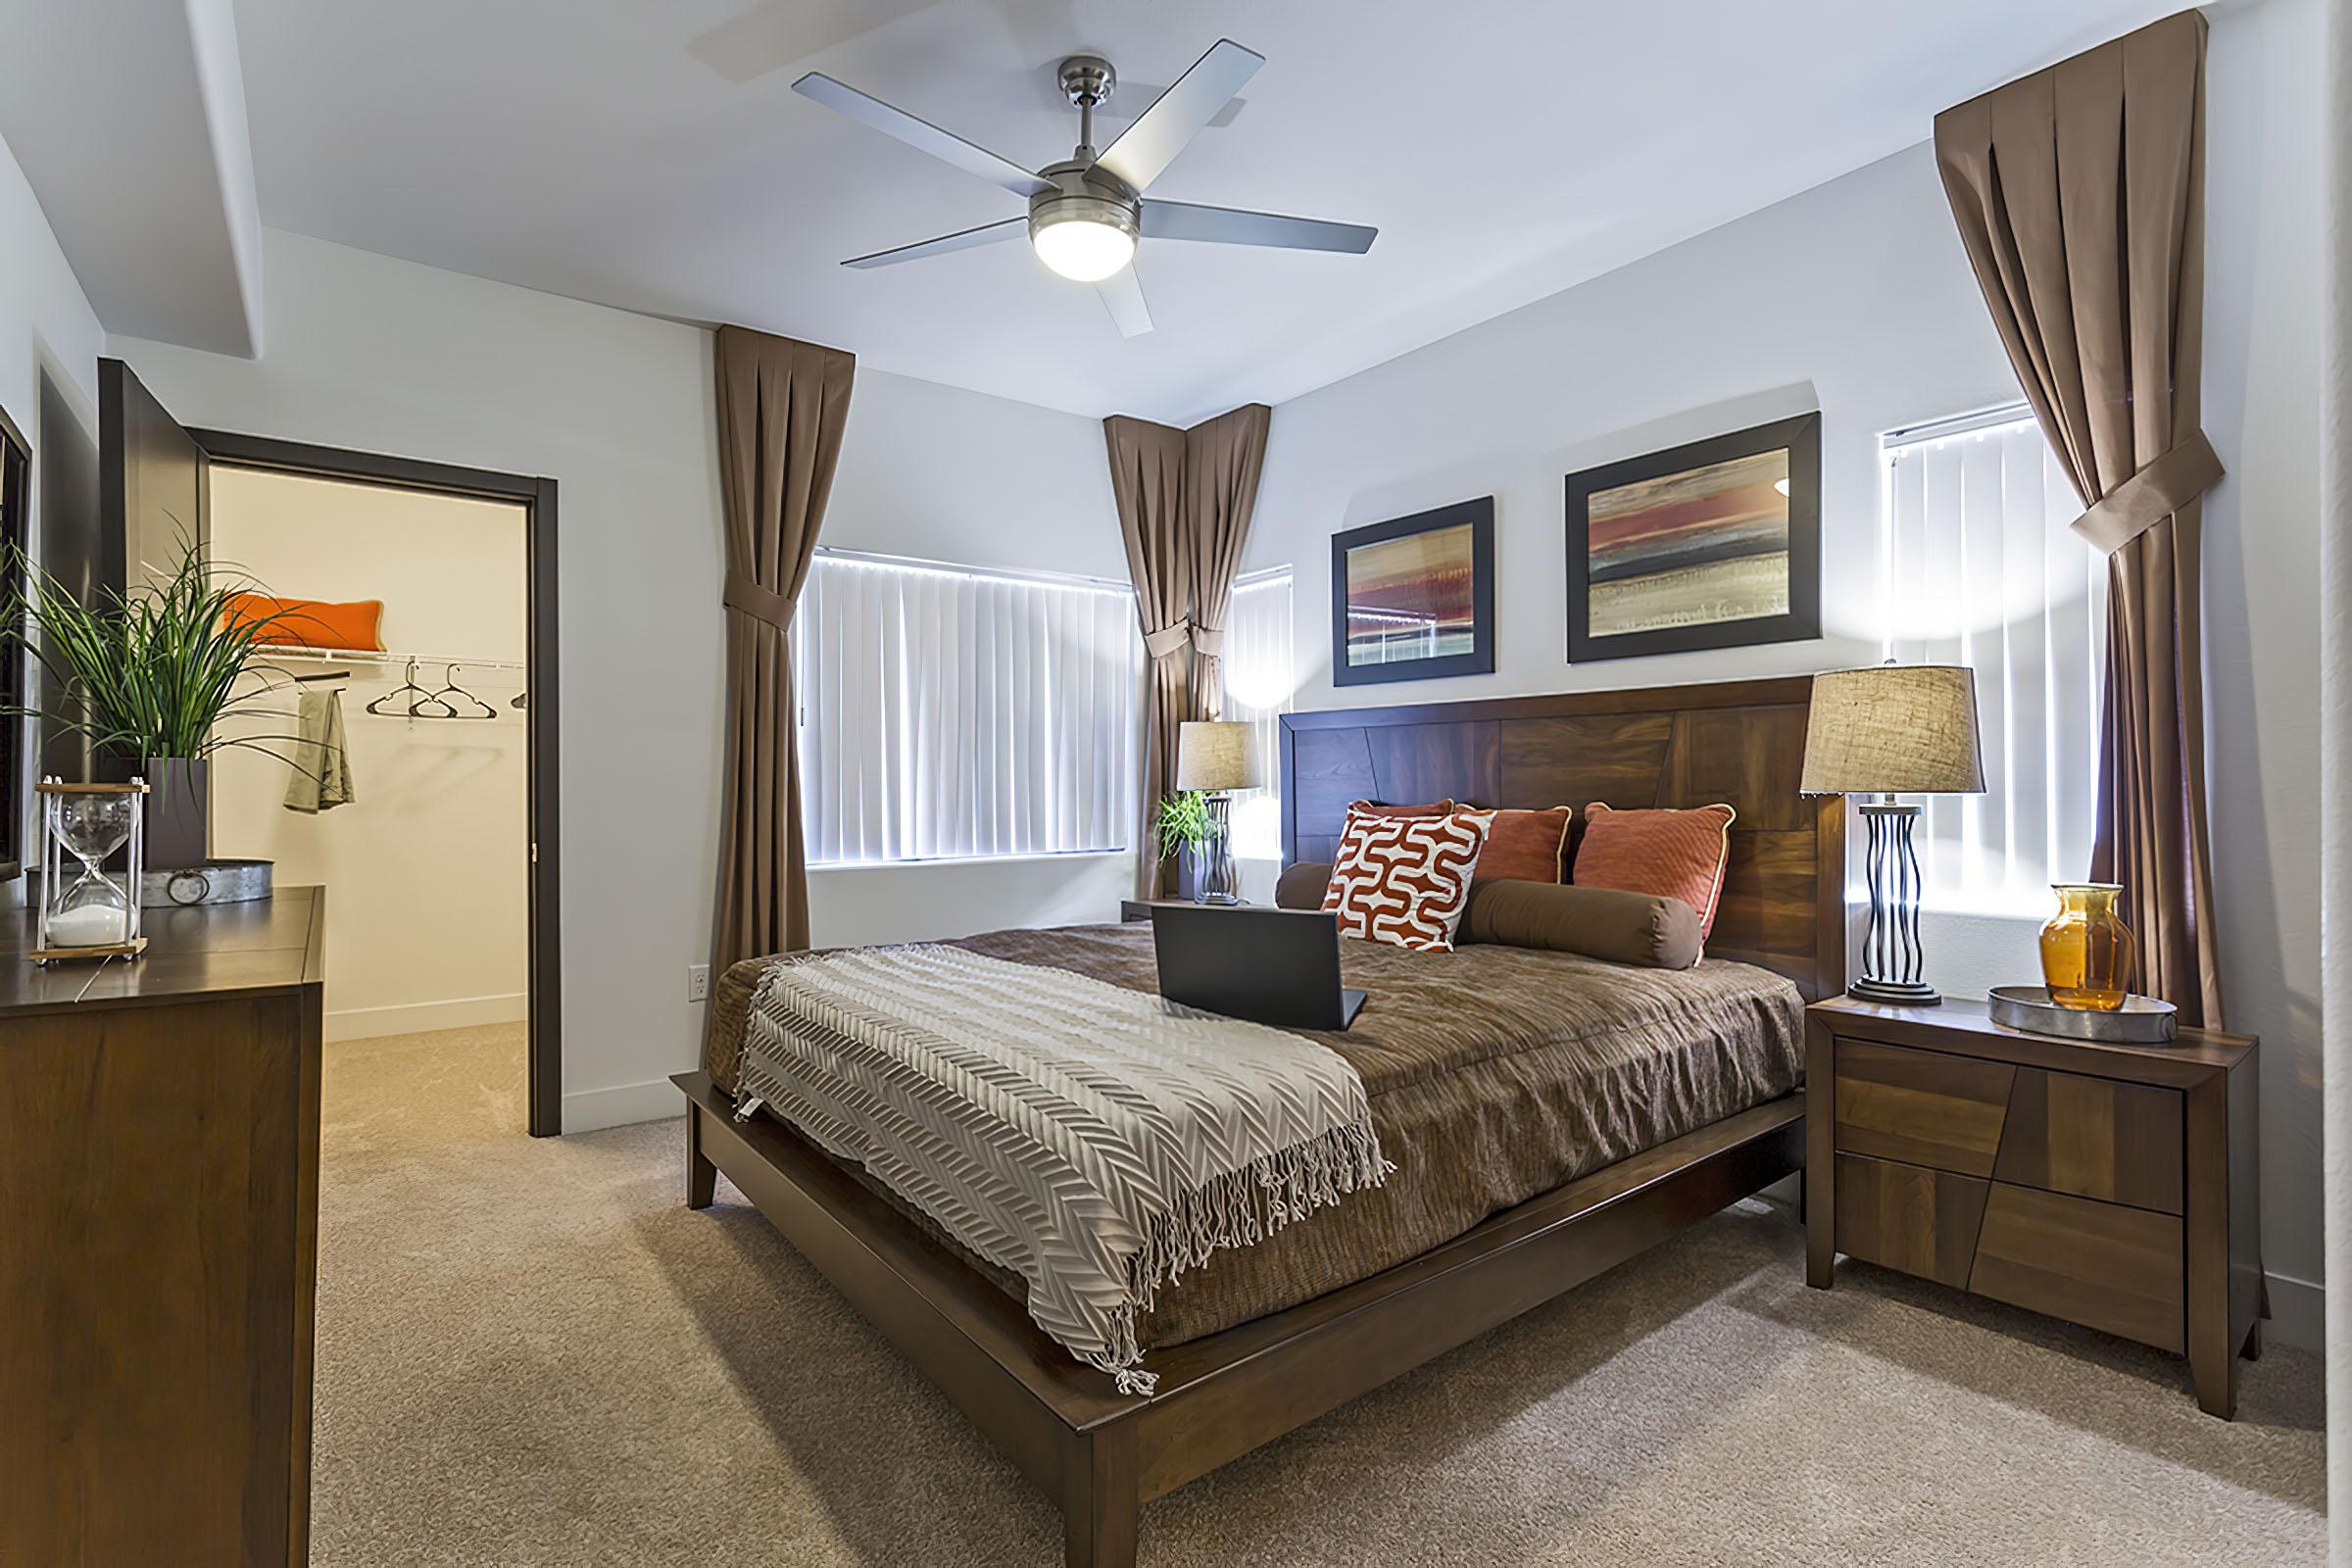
(1980,568)
(948,713)
(1257,690)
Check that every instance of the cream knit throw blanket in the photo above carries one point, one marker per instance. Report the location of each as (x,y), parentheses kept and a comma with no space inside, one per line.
(1094,1140)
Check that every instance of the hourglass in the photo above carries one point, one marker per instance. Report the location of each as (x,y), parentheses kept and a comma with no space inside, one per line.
(96,915)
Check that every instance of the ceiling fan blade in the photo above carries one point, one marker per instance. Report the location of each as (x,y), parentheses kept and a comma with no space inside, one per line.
(919,134)
(1235,225)
(1148,146)
(961,240)
(1123,296)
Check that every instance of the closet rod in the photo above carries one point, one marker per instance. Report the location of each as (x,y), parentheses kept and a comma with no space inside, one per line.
(275,650)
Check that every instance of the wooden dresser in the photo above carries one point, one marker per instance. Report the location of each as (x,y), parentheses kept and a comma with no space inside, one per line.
(2113,1186)
(158,1204)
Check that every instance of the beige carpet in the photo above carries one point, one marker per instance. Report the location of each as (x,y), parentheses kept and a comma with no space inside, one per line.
(529,1354)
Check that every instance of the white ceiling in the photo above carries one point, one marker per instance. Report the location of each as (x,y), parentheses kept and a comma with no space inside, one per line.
(652,156)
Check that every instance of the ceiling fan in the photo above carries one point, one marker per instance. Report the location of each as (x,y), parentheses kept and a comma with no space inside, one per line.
(1087,212)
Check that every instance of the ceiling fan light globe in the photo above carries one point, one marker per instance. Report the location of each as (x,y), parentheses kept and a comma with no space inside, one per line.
(1084,238)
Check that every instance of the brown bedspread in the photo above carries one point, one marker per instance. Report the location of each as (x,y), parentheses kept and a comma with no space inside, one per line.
(1494,1074)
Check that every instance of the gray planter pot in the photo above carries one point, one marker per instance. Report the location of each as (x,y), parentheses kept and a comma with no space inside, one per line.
(180,818)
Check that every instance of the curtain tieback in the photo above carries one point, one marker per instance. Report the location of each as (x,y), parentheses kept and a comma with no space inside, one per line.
(1169,641)
(758,603)
(2151,495)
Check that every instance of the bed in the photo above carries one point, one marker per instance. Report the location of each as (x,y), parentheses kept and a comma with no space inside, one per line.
(1549,1115)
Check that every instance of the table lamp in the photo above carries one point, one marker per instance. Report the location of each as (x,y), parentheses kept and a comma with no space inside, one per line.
(1898,730)
(1218,756)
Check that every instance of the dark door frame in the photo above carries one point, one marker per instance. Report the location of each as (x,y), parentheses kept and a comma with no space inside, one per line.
(537,496)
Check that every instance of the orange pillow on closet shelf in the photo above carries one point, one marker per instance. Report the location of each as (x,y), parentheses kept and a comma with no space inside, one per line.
(1668,854)
(1526,845)
(353,627)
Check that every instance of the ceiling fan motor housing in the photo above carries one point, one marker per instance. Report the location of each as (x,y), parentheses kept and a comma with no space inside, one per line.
(1084,194)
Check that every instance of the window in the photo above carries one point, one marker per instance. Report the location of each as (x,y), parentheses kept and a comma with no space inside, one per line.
(948,713)
(1980,568)
(1258,688)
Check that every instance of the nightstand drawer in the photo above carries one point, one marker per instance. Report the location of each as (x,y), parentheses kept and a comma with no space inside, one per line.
(2102,1264)
(2094,1138)
(1909,1217)
(1921,1107)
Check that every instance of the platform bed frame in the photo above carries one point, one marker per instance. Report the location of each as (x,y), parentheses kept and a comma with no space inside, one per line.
(1103,1456)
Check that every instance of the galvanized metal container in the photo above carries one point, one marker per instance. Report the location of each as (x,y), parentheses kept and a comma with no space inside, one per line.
(2139,1021)
(207,882)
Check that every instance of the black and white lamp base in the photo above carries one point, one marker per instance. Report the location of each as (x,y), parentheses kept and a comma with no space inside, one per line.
(1891,959)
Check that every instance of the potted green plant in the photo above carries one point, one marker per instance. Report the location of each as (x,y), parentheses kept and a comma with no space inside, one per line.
(1181,827)
(147,678)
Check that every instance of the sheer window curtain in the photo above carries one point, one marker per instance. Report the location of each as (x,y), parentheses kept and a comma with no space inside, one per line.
(949,714)
(1981,570)
(1258,680)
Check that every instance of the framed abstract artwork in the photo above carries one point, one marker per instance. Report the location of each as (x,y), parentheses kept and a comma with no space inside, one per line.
(1716,544)
(1414,597)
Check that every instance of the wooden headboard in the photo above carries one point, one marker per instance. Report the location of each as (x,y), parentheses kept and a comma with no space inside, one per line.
(1784,897)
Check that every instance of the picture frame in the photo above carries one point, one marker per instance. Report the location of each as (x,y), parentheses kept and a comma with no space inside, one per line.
(1413,598)
(1691,548)
(16,728)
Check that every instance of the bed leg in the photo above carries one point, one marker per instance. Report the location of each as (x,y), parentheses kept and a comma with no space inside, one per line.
(1099,1500)
(702,1177)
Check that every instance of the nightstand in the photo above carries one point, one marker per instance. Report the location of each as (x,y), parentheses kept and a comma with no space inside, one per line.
(2113,1186)
(1131,910)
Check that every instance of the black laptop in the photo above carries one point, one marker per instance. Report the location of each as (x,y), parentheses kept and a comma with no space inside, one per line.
(1273,966)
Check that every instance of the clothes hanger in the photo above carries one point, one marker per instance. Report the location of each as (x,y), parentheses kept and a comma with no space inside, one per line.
(417,697)
(450,688)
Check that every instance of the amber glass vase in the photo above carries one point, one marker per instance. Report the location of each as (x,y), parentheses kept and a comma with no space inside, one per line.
(2086,949)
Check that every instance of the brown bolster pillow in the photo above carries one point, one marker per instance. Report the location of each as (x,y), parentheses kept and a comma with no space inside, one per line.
(1301,886)
(1645,929)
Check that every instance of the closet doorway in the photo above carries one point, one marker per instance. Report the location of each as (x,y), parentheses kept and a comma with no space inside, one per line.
(440,870)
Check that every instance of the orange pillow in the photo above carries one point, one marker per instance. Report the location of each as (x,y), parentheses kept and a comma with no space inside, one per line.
(1526,845)
(309,623)
(1673,854)
(1405,880)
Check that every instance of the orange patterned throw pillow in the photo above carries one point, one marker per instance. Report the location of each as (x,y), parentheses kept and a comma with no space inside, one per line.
(1673,854)
(1405,880)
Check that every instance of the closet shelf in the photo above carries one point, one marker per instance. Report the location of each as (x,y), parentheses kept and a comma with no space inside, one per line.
(275,650)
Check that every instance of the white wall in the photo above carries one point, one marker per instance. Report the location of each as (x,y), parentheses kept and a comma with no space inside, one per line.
(385,356)
(46,328)
(1855,298)
(2265,272)
(380,355)
(430,862)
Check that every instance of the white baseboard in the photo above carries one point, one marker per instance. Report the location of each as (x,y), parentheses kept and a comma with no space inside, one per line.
(2298,1313)
(415,1017)
(656,1099)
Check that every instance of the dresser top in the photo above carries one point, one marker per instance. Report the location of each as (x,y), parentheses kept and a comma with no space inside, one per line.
(274,944)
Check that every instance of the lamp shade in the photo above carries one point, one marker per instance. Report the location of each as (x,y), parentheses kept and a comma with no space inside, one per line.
(1898,730)
(1216,755)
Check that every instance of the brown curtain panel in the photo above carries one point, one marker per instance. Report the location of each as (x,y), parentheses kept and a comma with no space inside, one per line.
(2080,193)
(782,406)
(1146,482)
(1223,458)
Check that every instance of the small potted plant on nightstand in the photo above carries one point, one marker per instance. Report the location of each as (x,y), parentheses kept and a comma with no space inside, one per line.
(1182,828)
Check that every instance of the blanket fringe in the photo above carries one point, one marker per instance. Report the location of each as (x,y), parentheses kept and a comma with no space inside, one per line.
(1238,1208)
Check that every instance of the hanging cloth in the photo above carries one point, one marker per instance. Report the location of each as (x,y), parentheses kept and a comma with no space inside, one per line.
(322,778)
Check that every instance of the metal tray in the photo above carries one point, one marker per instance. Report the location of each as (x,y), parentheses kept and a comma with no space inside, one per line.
(2140,1021)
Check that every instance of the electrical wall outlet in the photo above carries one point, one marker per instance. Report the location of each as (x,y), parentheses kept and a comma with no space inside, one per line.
(697,982)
